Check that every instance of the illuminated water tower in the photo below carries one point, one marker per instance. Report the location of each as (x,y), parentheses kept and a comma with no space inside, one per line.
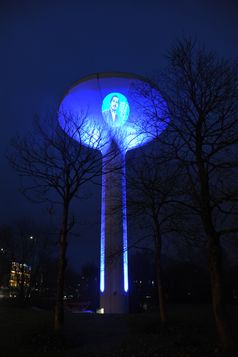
(115,116)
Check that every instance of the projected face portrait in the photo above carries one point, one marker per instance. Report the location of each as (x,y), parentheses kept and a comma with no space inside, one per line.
(115,109)
(114,103)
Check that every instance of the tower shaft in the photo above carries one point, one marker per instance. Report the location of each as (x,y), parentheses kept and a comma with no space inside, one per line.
(114,261)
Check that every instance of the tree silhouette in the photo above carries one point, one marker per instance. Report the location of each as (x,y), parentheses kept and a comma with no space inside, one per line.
(201,91)
(58,166)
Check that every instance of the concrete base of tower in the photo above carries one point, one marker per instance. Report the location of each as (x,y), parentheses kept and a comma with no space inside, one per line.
(114,304)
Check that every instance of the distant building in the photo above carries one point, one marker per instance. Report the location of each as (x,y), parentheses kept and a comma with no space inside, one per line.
(20,275)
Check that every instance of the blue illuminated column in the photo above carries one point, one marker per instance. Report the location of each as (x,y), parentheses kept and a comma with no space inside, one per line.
(114,255)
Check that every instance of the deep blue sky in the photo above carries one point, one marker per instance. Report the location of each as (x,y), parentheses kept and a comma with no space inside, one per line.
(48,45)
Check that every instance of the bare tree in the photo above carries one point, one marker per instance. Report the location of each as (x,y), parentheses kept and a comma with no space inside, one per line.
(150,193)
(57,166)
(202,95)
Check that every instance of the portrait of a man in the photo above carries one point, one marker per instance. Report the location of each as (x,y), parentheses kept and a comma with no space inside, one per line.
(111,114)
(115,109)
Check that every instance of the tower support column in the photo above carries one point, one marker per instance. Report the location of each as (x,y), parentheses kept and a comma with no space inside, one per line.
(114,255)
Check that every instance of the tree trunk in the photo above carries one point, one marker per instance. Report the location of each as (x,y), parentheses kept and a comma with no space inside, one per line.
(160,288)
(215,256)
(162,308)
(218,303)
(59,306)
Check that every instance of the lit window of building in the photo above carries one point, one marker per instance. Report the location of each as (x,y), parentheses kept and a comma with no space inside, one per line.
(20,274)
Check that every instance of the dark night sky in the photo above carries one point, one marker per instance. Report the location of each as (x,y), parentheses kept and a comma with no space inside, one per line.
(48,45)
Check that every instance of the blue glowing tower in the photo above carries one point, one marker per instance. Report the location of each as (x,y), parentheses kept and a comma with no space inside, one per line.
(113,113)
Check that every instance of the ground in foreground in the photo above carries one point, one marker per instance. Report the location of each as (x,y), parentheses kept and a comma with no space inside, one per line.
(190,332)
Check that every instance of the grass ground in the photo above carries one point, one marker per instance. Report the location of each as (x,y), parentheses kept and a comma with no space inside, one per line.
(190,332)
